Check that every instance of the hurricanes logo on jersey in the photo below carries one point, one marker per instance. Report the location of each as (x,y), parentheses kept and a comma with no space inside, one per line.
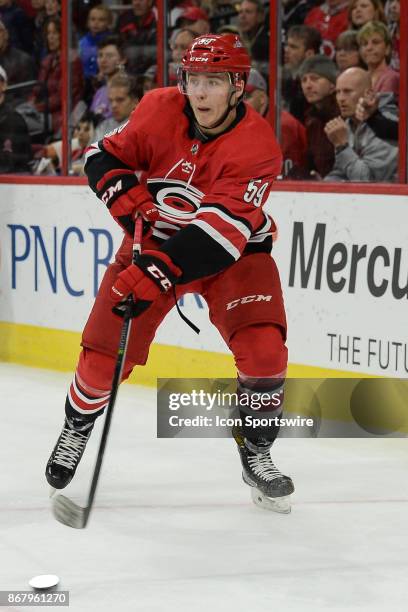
(175,199)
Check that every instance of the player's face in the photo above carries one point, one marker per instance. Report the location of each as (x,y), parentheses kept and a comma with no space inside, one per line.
(121,103)
(315,87)
(209,95)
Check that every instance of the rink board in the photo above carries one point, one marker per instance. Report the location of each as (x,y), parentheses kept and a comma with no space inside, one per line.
(343,261)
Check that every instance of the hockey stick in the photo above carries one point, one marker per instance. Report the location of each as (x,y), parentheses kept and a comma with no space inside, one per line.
(64,509)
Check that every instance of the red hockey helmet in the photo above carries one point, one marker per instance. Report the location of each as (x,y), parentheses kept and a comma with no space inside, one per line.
(216,53)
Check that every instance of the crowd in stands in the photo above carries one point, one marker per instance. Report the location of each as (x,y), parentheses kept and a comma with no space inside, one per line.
(339,79)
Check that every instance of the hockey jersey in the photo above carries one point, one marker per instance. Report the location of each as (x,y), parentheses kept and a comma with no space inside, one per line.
(210,191)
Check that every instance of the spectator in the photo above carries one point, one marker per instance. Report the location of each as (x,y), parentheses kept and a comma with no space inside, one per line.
(318,78)
(80,12)
(375,49)
(124,95)
(361,12)
(138,30)
(15,148)
(392,11)
(331,20)
(111,61)
(293,133)
(302,42)
(83,136)
(382,120)
(50,76)
(347,51)
(99,23)
(360,154)
(18,25)
(38,22)
(18,65)
(254,34)
(53,8)
(295,11)
(195,19)
(179,44)
(221,13)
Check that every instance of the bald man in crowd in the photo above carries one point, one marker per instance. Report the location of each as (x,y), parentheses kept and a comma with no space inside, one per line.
(359,154)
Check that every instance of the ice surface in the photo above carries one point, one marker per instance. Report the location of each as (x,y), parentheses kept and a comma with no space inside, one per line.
(174,529)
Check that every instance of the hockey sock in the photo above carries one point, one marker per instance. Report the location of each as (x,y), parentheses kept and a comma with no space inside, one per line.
(85,402)
(260,407)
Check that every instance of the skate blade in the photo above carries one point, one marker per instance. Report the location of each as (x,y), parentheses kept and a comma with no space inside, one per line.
(68,513)
(52,491)
(275,504)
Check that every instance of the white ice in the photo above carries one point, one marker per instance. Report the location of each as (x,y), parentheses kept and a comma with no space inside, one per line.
(174,529)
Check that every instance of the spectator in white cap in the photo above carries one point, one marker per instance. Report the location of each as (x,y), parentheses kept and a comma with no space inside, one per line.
(293,134)
(15,148)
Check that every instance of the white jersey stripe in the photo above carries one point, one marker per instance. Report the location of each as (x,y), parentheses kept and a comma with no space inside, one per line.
(215,235)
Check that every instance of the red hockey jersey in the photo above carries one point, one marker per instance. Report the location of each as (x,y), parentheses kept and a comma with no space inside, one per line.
(217,185)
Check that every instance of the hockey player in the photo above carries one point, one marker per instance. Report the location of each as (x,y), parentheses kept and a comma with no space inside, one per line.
(206,162)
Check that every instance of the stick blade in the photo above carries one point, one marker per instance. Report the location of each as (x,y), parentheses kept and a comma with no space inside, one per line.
(68,513)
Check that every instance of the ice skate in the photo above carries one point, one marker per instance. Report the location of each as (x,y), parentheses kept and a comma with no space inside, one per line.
(270,489)
(68,451)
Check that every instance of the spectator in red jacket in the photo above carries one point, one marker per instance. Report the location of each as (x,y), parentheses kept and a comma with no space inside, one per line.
(331,19)
(50,76)
(375,49)
(138,30)
(293,134)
